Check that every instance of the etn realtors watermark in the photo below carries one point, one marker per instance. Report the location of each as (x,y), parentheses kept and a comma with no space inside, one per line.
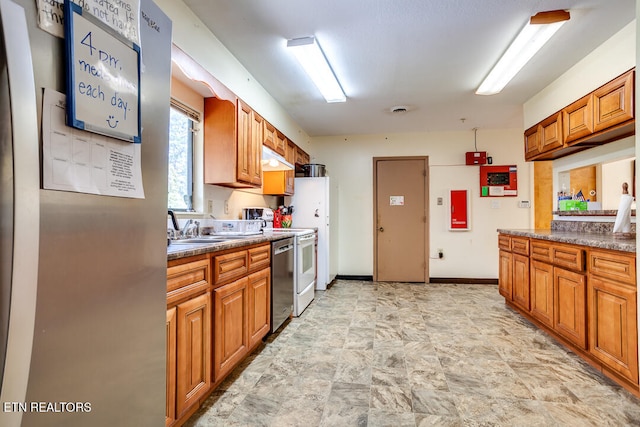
(69,407)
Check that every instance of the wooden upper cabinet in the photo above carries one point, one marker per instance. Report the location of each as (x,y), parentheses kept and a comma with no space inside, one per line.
(550,137)
(302,158)
(577,119)
(255,149)
(280,143)
(531,142)
(231,154)
(602,116)
(269,135)
(613,102)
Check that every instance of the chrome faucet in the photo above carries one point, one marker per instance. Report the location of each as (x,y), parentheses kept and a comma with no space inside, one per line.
(191,229)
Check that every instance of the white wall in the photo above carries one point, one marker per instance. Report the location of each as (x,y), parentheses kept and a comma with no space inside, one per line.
(193,37)
(609,60)
(469,254)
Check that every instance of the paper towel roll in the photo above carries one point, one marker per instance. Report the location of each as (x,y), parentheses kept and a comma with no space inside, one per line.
(623,219)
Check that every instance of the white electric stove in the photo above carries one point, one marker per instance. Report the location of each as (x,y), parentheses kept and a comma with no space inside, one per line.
(304,264)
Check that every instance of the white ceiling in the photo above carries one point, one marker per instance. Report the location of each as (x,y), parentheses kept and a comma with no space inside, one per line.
(427,55)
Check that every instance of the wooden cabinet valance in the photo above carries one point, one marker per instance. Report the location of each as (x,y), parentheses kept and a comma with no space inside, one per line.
(605,115)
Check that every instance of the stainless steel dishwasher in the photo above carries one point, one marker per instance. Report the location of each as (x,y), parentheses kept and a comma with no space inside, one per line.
(281,282)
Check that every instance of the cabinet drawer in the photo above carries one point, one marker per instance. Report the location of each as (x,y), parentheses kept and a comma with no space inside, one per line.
(259,258)
(541,251)
(186,279)
(570,257)
(230,266)
(504,242)
(520,245)
(613,265)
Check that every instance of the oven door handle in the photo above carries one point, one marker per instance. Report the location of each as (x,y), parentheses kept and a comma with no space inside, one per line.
(283,249)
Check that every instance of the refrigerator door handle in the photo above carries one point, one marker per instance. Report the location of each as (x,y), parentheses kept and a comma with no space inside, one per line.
(26,205)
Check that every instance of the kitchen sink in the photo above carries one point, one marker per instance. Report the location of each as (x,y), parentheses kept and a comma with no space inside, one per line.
(206,239)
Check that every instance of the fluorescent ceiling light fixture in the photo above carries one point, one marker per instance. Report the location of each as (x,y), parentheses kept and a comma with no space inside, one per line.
(307,51)
(532,37)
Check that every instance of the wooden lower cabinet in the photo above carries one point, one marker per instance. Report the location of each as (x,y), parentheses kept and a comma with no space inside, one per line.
(242,318)
(570,308)
(613,337)
(521,295)
(505,278)
(171,337)
(230,326)
(542,292)
(259,302)
(194,349)
(589,306)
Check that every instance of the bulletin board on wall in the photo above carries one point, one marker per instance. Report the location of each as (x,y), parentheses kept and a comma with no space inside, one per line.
(103,77)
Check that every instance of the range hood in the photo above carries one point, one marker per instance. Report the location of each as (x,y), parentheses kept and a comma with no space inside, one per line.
(272,161)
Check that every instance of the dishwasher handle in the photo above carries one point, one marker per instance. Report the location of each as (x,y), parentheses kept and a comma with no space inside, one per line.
(282,249)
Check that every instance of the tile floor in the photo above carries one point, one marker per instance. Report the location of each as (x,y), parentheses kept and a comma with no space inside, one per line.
(396,354)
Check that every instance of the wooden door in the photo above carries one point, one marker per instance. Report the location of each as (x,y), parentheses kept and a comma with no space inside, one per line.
(259,311)
(194,350)
(613,336)
(244,154)
(521,295)
(570,315)
(401,219)
(542,292)
(170,413)
(230,338)
(505,275)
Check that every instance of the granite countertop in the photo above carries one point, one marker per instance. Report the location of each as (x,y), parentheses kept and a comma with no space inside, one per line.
(183,250)
(595,240)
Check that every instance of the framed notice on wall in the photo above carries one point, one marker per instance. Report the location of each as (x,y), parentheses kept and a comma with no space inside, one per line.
(103,77)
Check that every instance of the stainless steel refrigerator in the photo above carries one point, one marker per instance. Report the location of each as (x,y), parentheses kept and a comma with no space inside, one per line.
(83,276)
(315,205)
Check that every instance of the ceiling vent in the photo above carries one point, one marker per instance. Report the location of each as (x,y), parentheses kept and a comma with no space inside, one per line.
(399,109)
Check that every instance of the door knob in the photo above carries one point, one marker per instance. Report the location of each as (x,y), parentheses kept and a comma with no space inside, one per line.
(381,229)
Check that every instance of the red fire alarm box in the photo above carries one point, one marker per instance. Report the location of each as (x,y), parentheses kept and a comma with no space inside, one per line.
(498,181)
(459,210)
(476,157)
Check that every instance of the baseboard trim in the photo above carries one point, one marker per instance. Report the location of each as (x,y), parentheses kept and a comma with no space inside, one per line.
(349,277)
(463,280)
(453,280)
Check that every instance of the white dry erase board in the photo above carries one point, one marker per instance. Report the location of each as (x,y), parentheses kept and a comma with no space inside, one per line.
(103,77)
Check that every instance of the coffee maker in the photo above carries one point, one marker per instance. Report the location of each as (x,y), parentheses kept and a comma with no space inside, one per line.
(265,214)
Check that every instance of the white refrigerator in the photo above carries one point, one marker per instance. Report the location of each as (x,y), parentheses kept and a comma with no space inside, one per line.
(315,205)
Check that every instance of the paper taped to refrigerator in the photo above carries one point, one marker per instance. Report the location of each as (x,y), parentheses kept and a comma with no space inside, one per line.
(85,162)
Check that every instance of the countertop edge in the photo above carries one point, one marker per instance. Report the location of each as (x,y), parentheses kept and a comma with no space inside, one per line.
(594,240)
(178,251)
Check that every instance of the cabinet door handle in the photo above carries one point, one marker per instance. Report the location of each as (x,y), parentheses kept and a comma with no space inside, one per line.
(381,229)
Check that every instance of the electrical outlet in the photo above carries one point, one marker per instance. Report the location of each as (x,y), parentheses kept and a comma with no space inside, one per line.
(439,201)
(210,206)
(524,204)
(226,206)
